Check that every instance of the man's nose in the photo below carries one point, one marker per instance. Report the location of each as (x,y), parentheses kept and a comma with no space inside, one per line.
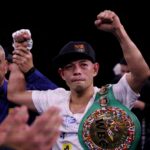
(77,69)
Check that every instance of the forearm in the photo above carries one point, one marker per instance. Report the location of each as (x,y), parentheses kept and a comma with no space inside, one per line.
(131,53)
(136,63)
(110,22)
(16,81)
(17,92)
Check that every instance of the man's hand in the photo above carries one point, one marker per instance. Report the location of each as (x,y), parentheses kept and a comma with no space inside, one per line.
(107,21)
(14,123)
(23,58)
(23,37)
(22,43)
(139,104)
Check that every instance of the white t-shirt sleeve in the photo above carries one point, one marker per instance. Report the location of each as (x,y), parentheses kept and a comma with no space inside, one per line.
(124,93)
(44,99)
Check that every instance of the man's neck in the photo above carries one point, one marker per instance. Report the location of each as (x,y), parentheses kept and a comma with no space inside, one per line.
(78,102)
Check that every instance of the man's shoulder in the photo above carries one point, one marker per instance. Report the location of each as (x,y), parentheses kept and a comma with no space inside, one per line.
(59,92)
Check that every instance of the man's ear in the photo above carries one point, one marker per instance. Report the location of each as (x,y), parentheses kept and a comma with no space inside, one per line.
(96,69)
(61,73)
(6,66)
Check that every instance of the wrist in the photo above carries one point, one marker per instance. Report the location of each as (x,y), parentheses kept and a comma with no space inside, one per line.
(30,71)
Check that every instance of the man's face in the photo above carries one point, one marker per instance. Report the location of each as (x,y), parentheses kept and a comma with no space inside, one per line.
(79,74)
(124,69)
(3,66)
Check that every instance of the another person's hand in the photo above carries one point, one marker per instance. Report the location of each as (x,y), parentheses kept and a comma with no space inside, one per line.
(22,43)
(14,123)
(42,134)
(23,58)
(139,104)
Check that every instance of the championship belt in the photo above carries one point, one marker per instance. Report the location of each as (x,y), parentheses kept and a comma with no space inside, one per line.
(108,124)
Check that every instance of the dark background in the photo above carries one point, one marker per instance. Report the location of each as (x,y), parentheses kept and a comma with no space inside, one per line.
(54,23)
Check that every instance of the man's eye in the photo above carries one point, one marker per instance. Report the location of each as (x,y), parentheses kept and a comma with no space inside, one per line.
(68,66)
(84,64)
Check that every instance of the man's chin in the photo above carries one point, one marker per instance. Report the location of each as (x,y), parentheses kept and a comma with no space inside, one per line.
(79,88)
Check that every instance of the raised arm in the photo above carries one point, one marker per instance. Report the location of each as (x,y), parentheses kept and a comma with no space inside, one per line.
(16,85)
(139,70)
(24,60)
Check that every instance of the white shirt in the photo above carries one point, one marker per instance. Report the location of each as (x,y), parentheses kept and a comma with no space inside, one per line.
(61,97)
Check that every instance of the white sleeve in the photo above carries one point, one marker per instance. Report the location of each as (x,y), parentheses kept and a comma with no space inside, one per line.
(44,99)
(123,92)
